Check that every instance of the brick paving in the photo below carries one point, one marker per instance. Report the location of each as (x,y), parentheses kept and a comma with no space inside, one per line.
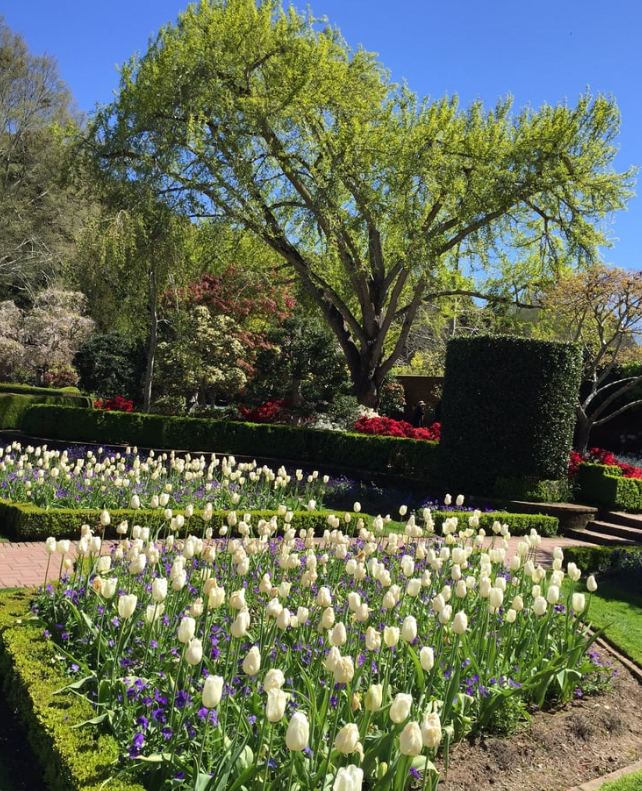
(23,563)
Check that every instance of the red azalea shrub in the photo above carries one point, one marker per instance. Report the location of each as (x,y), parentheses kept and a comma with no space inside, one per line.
(387,427)
(116,404)
(269,412)
(601,456)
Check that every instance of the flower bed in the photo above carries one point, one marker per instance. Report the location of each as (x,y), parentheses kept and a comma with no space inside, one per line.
(268,663)
(388,427)
(58,479)
(605,458)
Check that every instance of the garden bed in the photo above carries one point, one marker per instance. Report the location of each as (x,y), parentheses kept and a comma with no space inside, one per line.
(558,749)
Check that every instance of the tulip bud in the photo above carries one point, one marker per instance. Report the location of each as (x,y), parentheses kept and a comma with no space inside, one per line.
(186,629)
(431,730)
(349,778)
(275,706)
(578,603)
(427,658)
(539,605)
(194,652)
(212,691)
(126,605)
(591,584)
(391,635)
(460,623)
(274,679)
(252,662)
(159,589)
(400,707)
(374,697)
(409,629)
(298,732)
(410,742)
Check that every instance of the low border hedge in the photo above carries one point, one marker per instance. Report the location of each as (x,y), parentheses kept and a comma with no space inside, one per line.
(600,559)
(603,485)
(416,459)
(71,759)
(27,522)
(12,387)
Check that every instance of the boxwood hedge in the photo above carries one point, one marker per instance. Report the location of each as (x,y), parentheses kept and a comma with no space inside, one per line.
(27,522)
(414,459)
(71,758)
(508,410)
(13,406)
(603,485)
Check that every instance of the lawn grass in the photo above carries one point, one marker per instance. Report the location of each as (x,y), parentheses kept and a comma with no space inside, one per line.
(632,782)
(618,612)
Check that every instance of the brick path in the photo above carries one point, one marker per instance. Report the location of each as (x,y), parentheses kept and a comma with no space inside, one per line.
(23,564)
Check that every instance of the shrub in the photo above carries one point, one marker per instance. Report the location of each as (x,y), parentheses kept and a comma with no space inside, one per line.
(604,457)
(392,400)
(508,410)
(411,459)
(72,759)
(109,364)
(606,487)
(14,405)
(269,412)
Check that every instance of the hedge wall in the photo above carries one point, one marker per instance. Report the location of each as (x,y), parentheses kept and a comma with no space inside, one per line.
(416,459)
(604,486)
(10,387)
(26,522)
(605,560)
(14,405)
(508,410)
(71,759)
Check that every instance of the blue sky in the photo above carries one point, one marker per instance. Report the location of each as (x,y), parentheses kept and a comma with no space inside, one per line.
(548,51)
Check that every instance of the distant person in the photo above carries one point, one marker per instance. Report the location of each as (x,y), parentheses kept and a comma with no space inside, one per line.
(419,414)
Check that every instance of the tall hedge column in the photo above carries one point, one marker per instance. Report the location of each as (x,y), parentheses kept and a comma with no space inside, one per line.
(508,415)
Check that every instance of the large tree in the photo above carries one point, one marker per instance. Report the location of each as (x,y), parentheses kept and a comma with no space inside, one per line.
(601,309)
(38,210)
(371,196)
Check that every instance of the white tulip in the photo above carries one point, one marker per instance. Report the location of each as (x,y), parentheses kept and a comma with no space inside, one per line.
(400,707)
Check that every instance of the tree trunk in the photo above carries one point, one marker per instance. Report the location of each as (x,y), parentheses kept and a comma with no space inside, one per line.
(365,388)
(153,342)
(583,433)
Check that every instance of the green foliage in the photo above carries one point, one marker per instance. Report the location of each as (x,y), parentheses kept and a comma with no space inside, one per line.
(392,400)
(302,364)
(110,364)
(13,406)
(630,782)
(368,193)
(508,409)
(604,560)
(533,489)
(201,358)
(518,524)
(70,392)
(26,522)
(72,759)
(413,459)
(603,485)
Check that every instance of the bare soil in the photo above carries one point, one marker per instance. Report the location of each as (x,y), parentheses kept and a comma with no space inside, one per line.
(558,749)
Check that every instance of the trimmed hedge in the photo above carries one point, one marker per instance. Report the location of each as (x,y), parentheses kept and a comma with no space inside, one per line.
(415,459)
(13,406)
(10,387)
(27,522)
(602,559)
(508,410)
(71,759)
(604,486)
(518,524)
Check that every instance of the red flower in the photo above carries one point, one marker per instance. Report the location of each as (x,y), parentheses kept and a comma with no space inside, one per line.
(116,404)
(601,456)
(388,427)
(270,412)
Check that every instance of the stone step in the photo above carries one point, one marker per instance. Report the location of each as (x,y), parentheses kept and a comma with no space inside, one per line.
(619,530)
(622,518)
(603,539)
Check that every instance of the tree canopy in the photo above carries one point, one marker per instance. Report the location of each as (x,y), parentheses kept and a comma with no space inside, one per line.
(370,195)
(39,211)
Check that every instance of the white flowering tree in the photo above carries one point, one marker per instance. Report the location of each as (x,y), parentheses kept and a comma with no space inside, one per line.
(40,343)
